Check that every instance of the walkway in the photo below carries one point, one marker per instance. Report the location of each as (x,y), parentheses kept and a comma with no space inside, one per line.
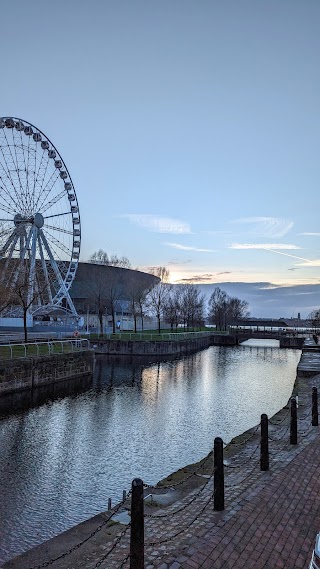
(270,519)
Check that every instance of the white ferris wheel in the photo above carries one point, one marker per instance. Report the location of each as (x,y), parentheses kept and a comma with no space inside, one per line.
(40,232)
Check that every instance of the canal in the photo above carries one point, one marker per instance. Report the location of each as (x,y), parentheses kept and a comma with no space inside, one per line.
(64,455)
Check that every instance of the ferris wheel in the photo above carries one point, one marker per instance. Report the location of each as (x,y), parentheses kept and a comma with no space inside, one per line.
(40,233)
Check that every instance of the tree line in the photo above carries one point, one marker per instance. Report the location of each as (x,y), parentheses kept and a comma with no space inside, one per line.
(181,305)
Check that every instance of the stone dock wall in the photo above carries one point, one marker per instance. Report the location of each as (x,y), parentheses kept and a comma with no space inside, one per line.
(27,373)
(155,348)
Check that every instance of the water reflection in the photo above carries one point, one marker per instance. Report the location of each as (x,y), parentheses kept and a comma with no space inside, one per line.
(63,459)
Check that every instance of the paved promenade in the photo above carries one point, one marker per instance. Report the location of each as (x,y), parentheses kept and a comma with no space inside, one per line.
(270,518)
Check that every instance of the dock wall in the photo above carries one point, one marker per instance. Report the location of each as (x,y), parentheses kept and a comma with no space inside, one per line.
(27,373)
(147,348)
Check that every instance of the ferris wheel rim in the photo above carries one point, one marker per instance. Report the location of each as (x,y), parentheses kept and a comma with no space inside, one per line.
(66,280)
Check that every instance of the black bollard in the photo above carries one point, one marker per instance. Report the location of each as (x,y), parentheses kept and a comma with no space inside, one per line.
(315,421)
(137,526)
(218,501)
(293,422)
(264,443)
(109,503)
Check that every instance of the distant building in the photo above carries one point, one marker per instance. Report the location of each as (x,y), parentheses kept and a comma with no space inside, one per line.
(95,284)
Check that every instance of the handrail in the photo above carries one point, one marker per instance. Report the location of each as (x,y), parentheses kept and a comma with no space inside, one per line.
(50,347)
(153,336)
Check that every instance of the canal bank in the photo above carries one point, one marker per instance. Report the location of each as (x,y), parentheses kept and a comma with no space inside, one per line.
(188,515)
(28,373)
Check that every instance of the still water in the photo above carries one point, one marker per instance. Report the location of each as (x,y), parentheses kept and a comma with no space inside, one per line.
(62,457)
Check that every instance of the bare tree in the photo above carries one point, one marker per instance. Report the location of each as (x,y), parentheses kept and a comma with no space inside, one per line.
(96,292)
(102,258)
(138,289)
(104,291)
(314,317)
(223,309)
(158,295)
(194,306)
(22,292)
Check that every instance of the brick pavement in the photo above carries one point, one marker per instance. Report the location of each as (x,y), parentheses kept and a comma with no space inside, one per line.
(270,518)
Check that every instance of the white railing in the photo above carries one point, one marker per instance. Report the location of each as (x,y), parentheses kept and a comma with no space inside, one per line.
(154,336)
(16,336)
(44,348)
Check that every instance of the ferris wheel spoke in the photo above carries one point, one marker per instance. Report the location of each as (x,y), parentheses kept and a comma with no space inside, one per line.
(48,187)
(54,201)
(59,229)
(8,171)
(57,243)
(16,147)
(28,180)
(24,165)
(41,176)
(57,215)
(5,177)
(5,208)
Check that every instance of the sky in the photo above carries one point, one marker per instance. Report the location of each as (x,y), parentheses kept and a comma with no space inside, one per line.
(190,128)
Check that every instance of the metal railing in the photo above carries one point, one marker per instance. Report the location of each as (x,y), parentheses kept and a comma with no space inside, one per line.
(153,336)
(13,351)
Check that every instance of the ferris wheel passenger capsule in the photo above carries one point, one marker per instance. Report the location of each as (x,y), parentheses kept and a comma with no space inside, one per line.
(67,186)
(58,164)
(74,209)
(28,130)
(37,137)
(9,123)
(19,126)
(2,123)
(63,174)
(71,197)
(52,153)
(45,145)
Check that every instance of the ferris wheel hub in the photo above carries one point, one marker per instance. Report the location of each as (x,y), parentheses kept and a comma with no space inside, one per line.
(36,219)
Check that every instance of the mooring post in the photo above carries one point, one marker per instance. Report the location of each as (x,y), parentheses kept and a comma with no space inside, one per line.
(293,422)
(315,420)
(218,501)
(109,503)
(137,526)
(264,443)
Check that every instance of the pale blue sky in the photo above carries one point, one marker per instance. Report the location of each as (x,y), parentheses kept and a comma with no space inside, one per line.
(191,129)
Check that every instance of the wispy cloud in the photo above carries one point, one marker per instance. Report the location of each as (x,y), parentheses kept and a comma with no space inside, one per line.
(267,246)
(159,224)
(309,233)
(189,248)
(306,263)
(197,279)
(274,248)
(267,226)
(177,262)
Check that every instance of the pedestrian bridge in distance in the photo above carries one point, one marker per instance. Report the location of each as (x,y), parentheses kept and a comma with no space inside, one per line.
(290,333)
